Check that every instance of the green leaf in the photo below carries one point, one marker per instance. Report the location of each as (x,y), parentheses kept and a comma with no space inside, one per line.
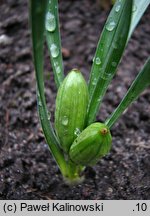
(108,54)
(138,86)
(53,41)
(138,10)
(37,20)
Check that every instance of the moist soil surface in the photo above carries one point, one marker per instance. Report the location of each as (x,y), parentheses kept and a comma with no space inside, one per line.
(27,168)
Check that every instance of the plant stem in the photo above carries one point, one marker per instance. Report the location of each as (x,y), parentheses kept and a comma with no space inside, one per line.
(72,174)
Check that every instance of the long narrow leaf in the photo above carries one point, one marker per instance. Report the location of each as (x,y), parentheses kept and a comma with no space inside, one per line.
(53,41)
(139,8)
(37,19)
(138,86)
(108,54)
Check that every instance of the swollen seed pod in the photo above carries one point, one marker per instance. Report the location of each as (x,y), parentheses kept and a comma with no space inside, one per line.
(93,143)
(71,108)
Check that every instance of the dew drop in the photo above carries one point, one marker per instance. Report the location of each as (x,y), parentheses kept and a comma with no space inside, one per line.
(39,103)
(77,132)
(50,22)
(58,70)
(57,67)
(97,61)
(54,50)
(134,8)
(110,26)
(107,76)
(65,121)
(114,64)
(49,115)
(117,9)
(99,99)
(94,82)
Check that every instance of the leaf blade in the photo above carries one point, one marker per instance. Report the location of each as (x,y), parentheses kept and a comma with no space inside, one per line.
(110,49)
(141,82)
(139,7)
(37,19)
(54,41)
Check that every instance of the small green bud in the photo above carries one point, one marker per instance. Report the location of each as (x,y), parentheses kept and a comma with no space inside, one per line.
(71,108)
(93,143)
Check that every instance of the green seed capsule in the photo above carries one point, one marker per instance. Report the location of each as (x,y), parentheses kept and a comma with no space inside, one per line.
(71,108)
(93,143)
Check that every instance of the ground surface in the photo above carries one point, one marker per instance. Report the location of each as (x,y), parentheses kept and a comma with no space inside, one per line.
(27,169)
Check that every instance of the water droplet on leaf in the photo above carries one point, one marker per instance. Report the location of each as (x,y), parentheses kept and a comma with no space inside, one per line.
(40,103)
(49,115)
(65,121)
(58,70)
(94,81)
(77,132)
(97,61)
(54,50)
(117,9)
(57,67)
(99,99)
(114,64)
(50,22)
(110,26)
(134,8)
(107,76)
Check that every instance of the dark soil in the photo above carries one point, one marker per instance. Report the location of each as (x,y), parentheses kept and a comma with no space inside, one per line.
(27,169)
